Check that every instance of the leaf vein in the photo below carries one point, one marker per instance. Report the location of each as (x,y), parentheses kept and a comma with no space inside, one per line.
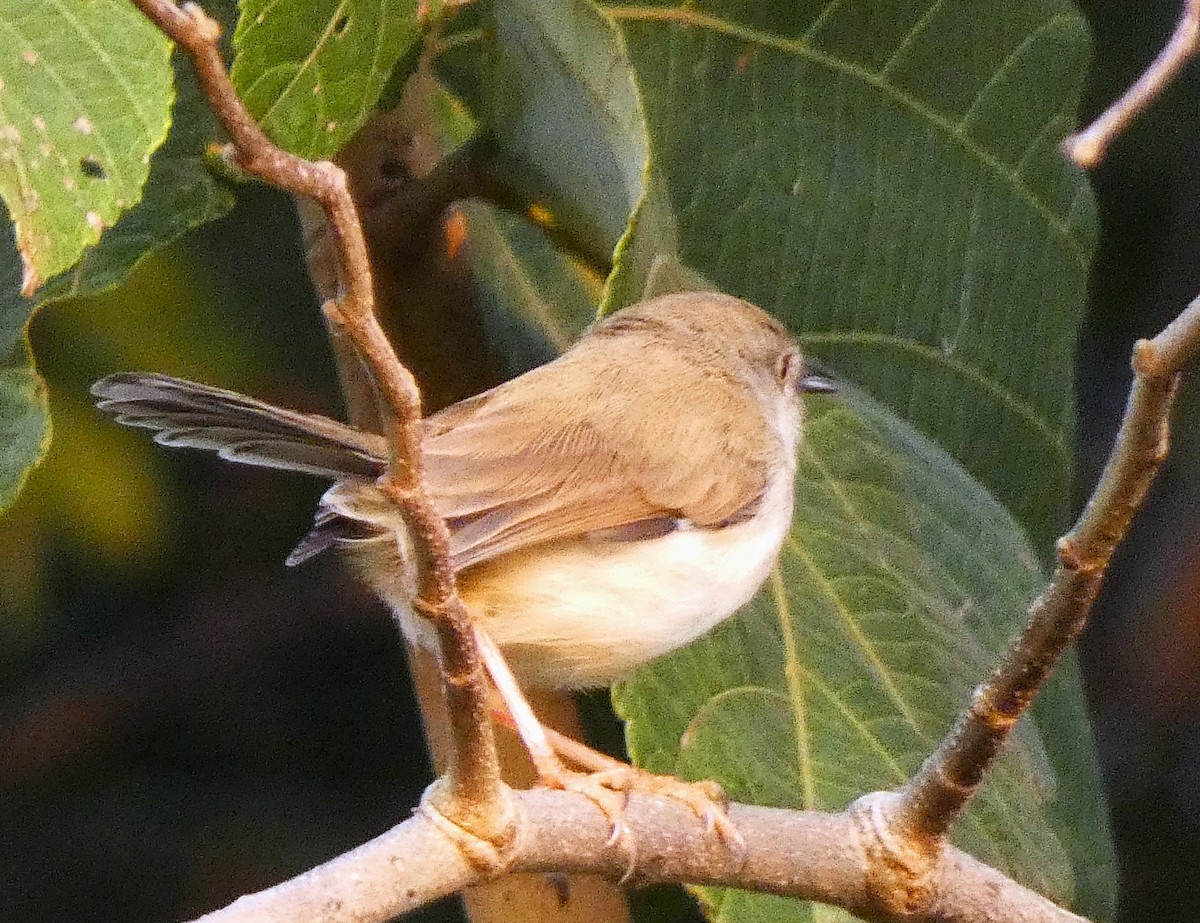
(1055,441)
(690,17)
(1008,61)
(854,630)
(793,674)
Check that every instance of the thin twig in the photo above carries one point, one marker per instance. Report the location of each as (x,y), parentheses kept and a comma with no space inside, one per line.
(472,794)
(1088,147)
(933,799)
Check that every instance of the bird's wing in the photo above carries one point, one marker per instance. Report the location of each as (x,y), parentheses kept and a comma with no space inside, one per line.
(514,467)
(519,466)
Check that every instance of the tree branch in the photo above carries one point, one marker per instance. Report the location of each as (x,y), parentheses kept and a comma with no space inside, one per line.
(1088,147)
(884,858)
(802,854)
(402,178)
(471,792)
(933,799)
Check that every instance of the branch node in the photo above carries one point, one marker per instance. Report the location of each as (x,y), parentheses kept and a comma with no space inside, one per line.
(488,842)
(901,866)
(208,29)
(1145,360)
(1069,554)
(1083,150)
(991,712)
(462,679)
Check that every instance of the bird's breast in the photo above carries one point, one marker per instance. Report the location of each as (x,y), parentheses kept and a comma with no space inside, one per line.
(584,612)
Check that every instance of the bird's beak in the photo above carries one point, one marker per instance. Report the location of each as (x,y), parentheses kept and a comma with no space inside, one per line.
(817,384)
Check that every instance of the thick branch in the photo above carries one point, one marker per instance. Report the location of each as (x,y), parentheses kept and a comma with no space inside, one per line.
(1088,147)
(801,854)
(937,794)
(473,781)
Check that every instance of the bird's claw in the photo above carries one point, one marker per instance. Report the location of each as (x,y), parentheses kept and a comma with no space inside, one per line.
(609,790)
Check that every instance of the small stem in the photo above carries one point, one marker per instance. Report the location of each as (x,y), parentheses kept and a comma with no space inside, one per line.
(1088,147)
(934,798)
(473,795)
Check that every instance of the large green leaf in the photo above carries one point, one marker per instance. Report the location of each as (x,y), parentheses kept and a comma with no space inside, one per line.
(86,97)
(561,101)
(311,71)
(900,581)
(885,177)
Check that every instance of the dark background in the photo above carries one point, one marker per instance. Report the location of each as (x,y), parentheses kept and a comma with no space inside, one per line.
(183,720)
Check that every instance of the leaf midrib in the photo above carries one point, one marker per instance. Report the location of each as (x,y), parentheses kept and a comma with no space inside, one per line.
(301,68)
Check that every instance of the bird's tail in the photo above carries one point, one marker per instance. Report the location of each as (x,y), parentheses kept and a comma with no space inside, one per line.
(240,429)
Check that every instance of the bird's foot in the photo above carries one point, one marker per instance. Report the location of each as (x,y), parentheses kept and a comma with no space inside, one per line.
(609,789)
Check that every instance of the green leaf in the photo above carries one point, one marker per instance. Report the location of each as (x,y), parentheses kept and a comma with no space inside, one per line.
(886,178)
(651,239)
(560,100)
(24,417)
(311,71)
(535,303)
(24,428)
(180,194)
(85,99)
(900,581)
(98,77)
(534,300)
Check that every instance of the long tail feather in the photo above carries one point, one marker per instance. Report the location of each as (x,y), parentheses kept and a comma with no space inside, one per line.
(240,429)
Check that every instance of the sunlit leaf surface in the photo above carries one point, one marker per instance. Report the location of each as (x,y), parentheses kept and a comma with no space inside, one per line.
(311,72)
(85,97)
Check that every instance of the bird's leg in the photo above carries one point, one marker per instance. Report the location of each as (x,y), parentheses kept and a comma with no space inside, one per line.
(580,754)
(706,798)
(546,762)
(534,735)
(605,780)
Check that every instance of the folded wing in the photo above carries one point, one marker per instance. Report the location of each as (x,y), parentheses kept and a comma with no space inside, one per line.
(560,455)
(511,468)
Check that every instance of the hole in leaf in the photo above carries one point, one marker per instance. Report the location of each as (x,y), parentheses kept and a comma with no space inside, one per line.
(92,168)
(340,25)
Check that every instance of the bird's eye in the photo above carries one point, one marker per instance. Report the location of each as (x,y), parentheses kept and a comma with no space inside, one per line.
(786,367)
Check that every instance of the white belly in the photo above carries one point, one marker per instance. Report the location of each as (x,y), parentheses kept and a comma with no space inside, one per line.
(585,612)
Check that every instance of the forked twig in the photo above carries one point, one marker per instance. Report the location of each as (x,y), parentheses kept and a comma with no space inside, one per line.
(472,795)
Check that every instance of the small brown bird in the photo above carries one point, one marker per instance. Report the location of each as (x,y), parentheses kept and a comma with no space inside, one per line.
(604,509)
